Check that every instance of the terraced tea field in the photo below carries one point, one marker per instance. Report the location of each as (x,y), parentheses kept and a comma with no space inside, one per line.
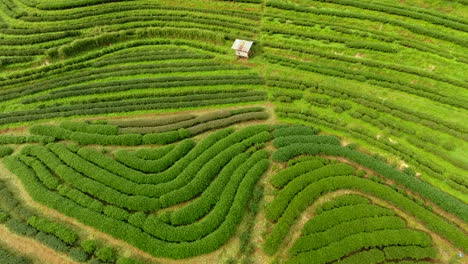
(130,133)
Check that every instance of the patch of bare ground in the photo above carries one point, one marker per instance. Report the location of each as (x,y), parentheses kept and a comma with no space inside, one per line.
(32,248)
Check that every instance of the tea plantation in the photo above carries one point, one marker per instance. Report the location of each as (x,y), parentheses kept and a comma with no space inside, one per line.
(131,133)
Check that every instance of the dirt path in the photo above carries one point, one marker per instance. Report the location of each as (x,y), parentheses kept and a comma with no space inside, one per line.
(30,247)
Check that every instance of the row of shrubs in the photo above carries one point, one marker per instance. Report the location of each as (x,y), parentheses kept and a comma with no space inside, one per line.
(375,79)
(115,183)
(133,6)
(315,190)
(129,233)
(277,207)
(203,206)
(352,243)
(82,62)
(389,107)
(194,124)
(55,235)
(356,30)
(434,18)
(74,76)
(345,214)
(340,201)
(134,84)
(425,165)
(168,175)
(440,198)
(346,14)
(338,232)
(160,164)
(283,177)
(297,46)
(118,107)
(221,209)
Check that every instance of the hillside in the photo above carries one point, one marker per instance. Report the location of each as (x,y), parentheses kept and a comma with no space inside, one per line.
(131,133)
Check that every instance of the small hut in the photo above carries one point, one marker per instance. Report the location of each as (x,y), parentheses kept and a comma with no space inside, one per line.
(243,48)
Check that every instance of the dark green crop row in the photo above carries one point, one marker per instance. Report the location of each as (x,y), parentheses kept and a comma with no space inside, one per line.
(135,84)
(440,198)
(367,62)
(195,124)
(168,175)
(118,107)
(64,233)
(343,230)
(82,62)
(147,122)
(409,252)
(131,160)
(399,150)
(346,214)
(217,191)
(90,128)
(153,153)
(277,207)
(352,243)
(341,201)
(316,189)
(402,11)
(132,234)
(103,9)
(283,177)
(399,111)
(338,13)
(219,213)
(5,151)
(10,139)
(375,79)
(297,130)
(288,140)
(87,138)
(371,256)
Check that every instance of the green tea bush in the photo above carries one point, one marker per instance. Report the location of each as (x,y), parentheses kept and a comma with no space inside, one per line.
(5,151)
(283,177)
(60,231)
(340,201)
(338,232)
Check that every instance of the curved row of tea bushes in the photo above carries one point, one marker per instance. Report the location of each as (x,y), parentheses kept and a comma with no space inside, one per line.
(440,198)
(276,208)
(160,164)
(137,176)
(336,233)
(329,219)
(359,241)
(283,177)
(221,210)
(288,140)
(208,199)
(340,201)
(128,232)
(316,189)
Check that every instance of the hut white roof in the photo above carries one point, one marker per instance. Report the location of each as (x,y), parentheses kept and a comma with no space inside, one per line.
(242,45)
